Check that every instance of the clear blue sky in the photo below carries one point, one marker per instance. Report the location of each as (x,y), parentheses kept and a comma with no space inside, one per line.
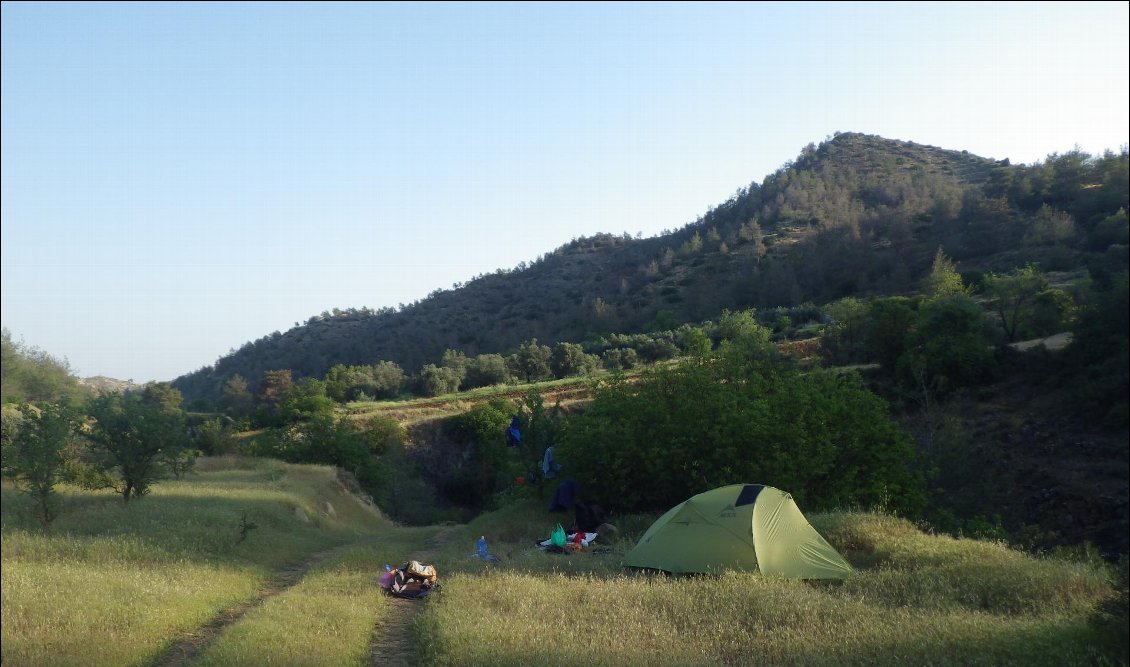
(179,179)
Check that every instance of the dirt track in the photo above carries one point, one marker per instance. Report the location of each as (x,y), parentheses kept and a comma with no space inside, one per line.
(392,642)
(193,643)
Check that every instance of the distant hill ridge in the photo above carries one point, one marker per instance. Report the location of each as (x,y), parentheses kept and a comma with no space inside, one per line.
(101,384)
(857,215)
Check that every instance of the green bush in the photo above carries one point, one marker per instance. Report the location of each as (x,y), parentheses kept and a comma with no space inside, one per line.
(488,464)
(948,347)
(747,415)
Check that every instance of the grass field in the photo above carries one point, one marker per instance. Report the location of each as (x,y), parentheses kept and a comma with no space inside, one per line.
(113,584)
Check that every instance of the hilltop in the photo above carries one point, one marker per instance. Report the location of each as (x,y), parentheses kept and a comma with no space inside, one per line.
(857,215)
(101,384)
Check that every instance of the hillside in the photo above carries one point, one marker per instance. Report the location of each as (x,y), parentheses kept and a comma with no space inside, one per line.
(857,215)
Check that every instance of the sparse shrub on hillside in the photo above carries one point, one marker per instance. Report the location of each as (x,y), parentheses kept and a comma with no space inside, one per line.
(943,281)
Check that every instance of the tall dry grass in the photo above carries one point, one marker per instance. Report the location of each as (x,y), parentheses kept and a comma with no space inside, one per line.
(914,599)
(115,584)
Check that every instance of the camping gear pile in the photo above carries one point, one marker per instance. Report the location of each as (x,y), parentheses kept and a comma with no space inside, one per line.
(588,519)
(411,580)
(738,527)
(570,543)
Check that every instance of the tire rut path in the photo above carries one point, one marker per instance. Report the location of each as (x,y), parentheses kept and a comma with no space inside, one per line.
(193,643)
(392,644)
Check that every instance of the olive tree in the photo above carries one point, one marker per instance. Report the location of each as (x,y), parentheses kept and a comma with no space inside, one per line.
(136,439)
(34,457)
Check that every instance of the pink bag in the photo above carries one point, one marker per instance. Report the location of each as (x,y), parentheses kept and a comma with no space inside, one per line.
(385,580)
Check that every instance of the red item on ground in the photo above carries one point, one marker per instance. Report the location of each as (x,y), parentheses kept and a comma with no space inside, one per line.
(579,537)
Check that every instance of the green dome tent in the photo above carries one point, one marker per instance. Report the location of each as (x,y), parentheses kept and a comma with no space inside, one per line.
(741,527)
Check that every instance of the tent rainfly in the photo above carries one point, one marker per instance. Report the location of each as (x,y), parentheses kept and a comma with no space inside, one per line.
(739,527)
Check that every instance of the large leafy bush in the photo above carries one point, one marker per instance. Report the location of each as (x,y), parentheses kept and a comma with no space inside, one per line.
(744,415)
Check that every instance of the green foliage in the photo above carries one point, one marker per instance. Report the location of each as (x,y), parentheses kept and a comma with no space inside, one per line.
(1014,298)
(488,465)
(845,337)
(859,216)
(943,281)
(695,342)
(745,416)
(1053,311)
(237,399)
(182,461)
(407,497)
(948,347)
(438,380)
(134,439)
(305,400)
(569,359)
(621,358)
(28,374)
(35,455)
(161,396)
(215,438)
(1050,226)
(457,362)
(382,432)
(531,361)
(327,440)
(1099,354)
(486,370)
(735,325)
(1112,230)
(657,349)
(272,389)
(541,427)
(890,322)
(349,383)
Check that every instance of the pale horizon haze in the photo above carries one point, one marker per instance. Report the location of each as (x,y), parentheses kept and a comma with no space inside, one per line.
(181,178)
